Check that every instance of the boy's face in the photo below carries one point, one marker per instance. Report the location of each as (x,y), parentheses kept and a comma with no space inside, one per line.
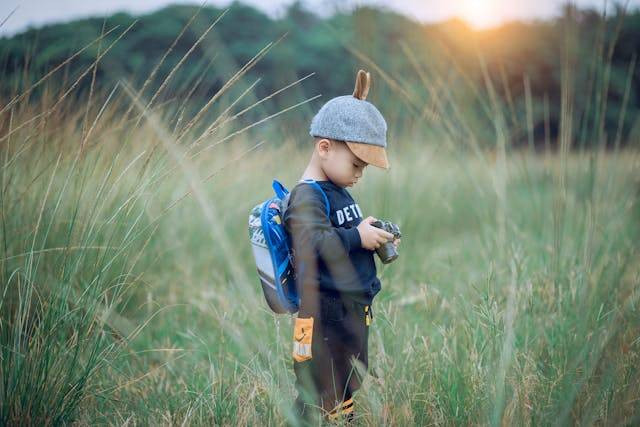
(340,165)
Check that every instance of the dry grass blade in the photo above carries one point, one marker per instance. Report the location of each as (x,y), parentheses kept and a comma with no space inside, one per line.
(59,249)
(255,104)
(224,113)
(194,87)
(625,100)
(164,57)
(95,121)
(390,80)
(228,84)
(238,132)
(93,81)
(8,16)
(184,58)
(429,112)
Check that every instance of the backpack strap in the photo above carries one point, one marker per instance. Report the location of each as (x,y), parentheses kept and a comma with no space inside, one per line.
(281,190)
(314,184)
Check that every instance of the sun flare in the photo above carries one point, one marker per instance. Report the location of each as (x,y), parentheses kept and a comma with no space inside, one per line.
(480,13)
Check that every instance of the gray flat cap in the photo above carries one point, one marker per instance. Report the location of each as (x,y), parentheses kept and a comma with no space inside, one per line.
(358,122)
(346,118)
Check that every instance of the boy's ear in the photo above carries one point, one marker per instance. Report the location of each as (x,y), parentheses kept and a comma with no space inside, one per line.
(323,146)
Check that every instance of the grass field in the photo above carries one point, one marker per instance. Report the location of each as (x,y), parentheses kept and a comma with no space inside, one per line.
(129,293)
(514,301)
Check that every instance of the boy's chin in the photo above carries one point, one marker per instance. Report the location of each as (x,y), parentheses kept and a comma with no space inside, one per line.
(344,184)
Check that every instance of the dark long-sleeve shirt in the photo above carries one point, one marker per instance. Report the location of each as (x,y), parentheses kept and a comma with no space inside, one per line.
(329,247)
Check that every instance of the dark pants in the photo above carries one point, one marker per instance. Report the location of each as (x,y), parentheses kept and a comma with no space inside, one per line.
(339,358)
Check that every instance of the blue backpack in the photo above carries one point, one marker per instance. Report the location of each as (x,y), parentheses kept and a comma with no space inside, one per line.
(271,247)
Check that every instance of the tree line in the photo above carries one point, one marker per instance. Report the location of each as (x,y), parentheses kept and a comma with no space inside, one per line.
(515,76)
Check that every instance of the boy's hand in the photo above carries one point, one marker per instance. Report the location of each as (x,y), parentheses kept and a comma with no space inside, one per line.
(372,237)
(396,242)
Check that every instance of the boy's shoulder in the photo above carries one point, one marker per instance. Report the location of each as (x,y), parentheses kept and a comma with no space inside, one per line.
(304,191)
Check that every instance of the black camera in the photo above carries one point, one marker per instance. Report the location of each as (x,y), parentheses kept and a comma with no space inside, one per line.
(387,251)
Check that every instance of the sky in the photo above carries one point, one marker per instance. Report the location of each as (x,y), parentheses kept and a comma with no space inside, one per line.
(478,13)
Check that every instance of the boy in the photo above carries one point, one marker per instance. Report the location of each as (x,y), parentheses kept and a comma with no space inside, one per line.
(333,255)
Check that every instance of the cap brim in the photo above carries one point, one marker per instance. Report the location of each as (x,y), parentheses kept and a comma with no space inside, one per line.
(372,154)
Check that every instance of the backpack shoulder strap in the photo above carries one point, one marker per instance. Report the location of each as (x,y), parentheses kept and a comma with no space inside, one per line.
(280,190)
(314,184)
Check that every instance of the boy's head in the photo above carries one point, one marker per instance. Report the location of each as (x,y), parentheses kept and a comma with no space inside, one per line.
(350,133)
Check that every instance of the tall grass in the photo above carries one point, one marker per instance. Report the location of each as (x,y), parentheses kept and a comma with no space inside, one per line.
(129,293)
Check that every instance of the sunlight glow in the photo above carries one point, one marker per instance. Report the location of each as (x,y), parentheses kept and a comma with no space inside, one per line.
(481,13)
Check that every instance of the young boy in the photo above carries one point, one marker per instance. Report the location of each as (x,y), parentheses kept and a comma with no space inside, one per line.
(333,255)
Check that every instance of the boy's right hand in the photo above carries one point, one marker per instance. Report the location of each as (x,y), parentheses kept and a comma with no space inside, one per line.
(372,237)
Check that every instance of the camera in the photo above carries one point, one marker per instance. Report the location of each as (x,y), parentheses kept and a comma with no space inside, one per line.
(387,251)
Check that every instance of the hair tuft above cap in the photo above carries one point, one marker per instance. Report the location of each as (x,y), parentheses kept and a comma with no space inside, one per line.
(363,82)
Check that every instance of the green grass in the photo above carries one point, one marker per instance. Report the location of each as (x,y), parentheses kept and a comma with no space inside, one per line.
(129,293)
(497,312)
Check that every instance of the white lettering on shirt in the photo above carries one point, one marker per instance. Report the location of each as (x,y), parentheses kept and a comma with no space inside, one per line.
(345,214)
